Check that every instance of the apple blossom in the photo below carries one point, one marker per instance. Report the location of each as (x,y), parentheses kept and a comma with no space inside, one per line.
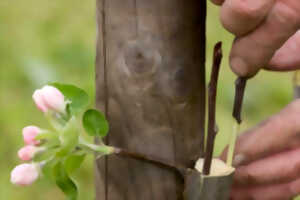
(39,101)
(27,153)
(52,149)
(29,134)
(24,174)
(49,98)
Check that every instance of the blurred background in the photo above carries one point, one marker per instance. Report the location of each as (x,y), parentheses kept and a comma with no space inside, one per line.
(42,41)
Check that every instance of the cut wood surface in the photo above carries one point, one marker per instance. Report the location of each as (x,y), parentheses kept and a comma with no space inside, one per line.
(215,186)
(150,82)
(208,188)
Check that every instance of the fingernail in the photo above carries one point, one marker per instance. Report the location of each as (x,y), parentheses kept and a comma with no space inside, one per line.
(239,159)
(239,66)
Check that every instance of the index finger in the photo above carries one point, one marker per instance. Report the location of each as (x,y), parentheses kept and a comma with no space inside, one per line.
(278,133)
(254,50)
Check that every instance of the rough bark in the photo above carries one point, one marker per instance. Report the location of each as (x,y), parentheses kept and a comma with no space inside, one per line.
(150,81)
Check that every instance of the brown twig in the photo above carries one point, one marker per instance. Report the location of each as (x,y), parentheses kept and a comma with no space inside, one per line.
(296,84)
(180,170)
(240,85)
(212,94)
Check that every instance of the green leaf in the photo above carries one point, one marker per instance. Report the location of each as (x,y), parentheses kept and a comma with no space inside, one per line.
(64,182)
(69,137)
(47,169)
(73,162)
(44,155)
(51,144)
(95,123)
(78,97)
(46,135)
(48,139)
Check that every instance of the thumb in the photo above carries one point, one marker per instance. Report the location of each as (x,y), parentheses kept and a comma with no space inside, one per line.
(287,57)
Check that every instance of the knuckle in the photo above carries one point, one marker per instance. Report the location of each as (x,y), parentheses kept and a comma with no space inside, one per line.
(292,111)
(296,40)
(296,170)
(295,105)
(251,177)
(243,9)
(244,176)
(286,13)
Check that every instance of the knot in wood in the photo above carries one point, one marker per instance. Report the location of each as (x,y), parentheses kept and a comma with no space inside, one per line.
(175,83)
(141,59)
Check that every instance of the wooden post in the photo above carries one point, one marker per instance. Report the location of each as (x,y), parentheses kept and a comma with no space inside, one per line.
(150,82)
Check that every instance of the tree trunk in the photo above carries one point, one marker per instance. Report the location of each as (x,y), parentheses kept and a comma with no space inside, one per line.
(150,81)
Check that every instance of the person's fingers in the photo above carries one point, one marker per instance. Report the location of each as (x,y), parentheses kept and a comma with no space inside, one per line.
(241,16)
(254,51)
(276,169)
(218,2)
(295,187)
(278,133)
(288,56)
(284,191)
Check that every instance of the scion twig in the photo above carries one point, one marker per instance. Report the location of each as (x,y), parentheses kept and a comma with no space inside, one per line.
(232,141)
(296,84)
(240,85)
(212,94)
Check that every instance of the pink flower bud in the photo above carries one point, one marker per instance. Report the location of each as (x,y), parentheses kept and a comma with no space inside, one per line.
(49,98)
(27,153)
(53,98)
(24,174)
(29,134)
(39,100)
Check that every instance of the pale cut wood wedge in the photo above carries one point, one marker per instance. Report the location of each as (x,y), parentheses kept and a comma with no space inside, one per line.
(215,186)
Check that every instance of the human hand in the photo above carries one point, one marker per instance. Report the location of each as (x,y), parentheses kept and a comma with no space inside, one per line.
(267,158)
(265,33)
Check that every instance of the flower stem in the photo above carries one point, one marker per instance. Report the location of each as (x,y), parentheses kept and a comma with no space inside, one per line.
(102,149)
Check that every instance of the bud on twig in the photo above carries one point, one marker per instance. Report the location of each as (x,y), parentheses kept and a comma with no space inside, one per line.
(27,153)
(24,174)
(49,98)
(29,134)
(212,95)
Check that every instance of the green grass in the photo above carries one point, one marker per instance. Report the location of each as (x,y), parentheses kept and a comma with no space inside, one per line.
(43,41)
